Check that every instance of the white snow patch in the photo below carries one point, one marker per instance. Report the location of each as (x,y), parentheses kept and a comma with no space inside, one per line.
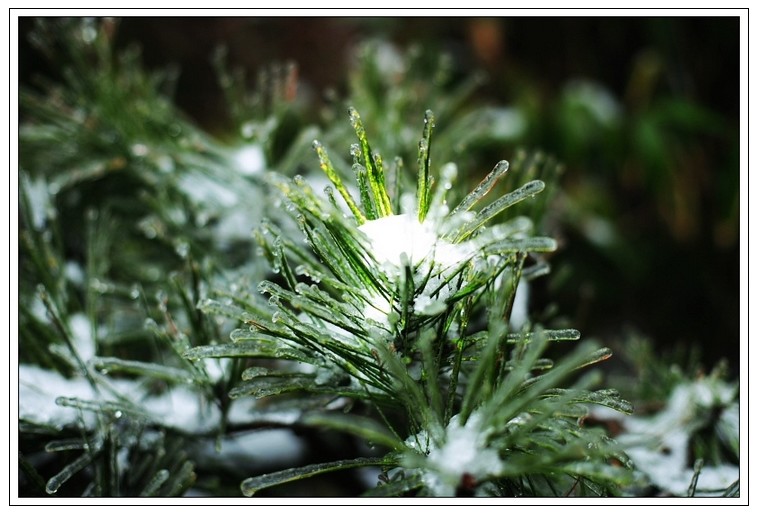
(204,190)
(378,309)
(180,407)
(420,442)
(400,240)
(256,449)
(388,60)
(37,390)
(464,451)
(245,410)
(597,99)
(39,201)
(218,199)
(81,333)
(216,368)
(183,409)
(38,308)
(520,310)
(599,231)
(426,306)
(74,273)
(392,236)
(508,123)
(250,160)
(236,224)
(659,445)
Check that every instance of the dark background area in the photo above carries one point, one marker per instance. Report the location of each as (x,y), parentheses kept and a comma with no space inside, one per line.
(664,178)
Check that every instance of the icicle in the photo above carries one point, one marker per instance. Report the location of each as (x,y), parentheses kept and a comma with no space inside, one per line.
(367,201)
(397,172)
(66,445)
(326,166)
(147,369)
(58,480)
(424,163)
(498,206)
(484,187)
(249,345)
(372,163)
(422,187)
(380,184)
(567,334)
(529,244)
(180,480)
(152,487)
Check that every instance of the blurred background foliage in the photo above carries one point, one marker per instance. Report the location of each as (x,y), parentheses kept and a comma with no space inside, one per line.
(643,113)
